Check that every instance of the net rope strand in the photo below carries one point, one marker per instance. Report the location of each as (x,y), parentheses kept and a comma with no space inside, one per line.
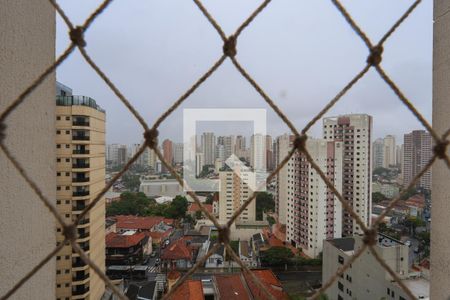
(76,35)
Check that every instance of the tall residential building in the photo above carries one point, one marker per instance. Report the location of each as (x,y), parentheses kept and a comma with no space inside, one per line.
(199,163)
(258,152)
(80,170)
(167,146)
(399,156)
(283,146)
(313,212)
(220,153)
(240,146)
(236,185)
(417,151)
(178,153)
(116,155)
(366,278)
(355,133)
(229,145)
(378,154)
(208,147)
(390,155)
(270,163)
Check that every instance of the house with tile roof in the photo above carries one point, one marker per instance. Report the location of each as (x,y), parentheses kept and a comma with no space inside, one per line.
(189,290)
(126,248)
(177,255)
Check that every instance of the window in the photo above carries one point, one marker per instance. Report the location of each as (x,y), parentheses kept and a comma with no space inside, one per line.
(340,297)
(58,131)
(341,260)
(67,118)
(58,118)
(67,131)
(58,160)
(58,146)
(340,286)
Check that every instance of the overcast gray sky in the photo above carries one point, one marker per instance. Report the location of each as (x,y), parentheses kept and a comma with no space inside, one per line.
(301,52)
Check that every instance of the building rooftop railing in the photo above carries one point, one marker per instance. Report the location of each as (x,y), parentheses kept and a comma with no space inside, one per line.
(78,100)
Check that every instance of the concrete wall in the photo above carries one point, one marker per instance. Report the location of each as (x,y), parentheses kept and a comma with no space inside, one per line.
(27,229)
(440,235)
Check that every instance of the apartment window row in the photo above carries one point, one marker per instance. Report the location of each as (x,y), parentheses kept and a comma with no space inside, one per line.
(59,188)
(65,271)
(58,118)
(66,131)
(59,146)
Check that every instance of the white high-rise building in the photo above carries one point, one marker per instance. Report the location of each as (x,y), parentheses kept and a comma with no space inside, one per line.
(283,146)
(355,133)
(178,153)
(208,146)
(366,278)
(258,152)
(378,154)
(313,211)
(399,155)
(390,155)
(116,154)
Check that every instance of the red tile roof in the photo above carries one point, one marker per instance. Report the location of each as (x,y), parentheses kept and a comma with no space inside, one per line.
(139,223)
(189,290)
(173,275)
(116,240)
(232,287)
(270,281)
(195,207)
(177,250)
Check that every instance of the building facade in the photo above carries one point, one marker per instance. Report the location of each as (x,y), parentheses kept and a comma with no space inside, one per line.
(178,153)
(355,132)
(378,154)
(390,154)
(167,146)
(417,151)
(366,278)
(258,152)
(283,146)
(208,147)
(235,187)
(80,176)
(313,212)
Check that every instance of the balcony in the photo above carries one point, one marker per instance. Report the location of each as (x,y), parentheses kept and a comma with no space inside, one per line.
(83,235)
(84,221)
(80,138)
(79,207)
(80,277)
(78,264)
(80,165)
(80,151)
(80,193)
(80,123)
(80,179)
(80,291)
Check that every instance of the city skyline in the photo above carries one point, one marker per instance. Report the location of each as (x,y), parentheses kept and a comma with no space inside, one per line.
(300,80)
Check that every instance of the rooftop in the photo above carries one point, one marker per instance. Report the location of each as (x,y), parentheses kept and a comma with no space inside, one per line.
(345,244)
(139,223)
(270,281)
(189,290)
(116,240)
(78,100)
(232,287)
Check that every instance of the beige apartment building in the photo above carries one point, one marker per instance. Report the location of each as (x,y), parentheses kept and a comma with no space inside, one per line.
(235,187)
(80,176)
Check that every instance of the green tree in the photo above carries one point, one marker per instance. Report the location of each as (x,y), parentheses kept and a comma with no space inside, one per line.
(177,208)
(377,197)
(412,223)
(264,203)
(130,204)
(276,256)
(131,182)
(198,215)
(409,193)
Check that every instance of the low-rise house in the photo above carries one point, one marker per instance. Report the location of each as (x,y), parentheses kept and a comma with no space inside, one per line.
(127,248)
(125,223)
(110,225)
(189,290)
(217,259)
(177,255)
(246,254)
(271,283)
(194,207)
(232,287)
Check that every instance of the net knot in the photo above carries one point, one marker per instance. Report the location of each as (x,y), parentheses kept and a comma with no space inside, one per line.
(2,132)
(151,137)
(300,142)
(440,149)
(224,235)
(70,232)
(229,47)
(370,237)
(375,58)
(77,36)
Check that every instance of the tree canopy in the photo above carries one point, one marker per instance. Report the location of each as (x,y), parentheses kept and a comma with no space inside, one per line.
(130,204)
(264,203)
(378,197)
(276,256)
